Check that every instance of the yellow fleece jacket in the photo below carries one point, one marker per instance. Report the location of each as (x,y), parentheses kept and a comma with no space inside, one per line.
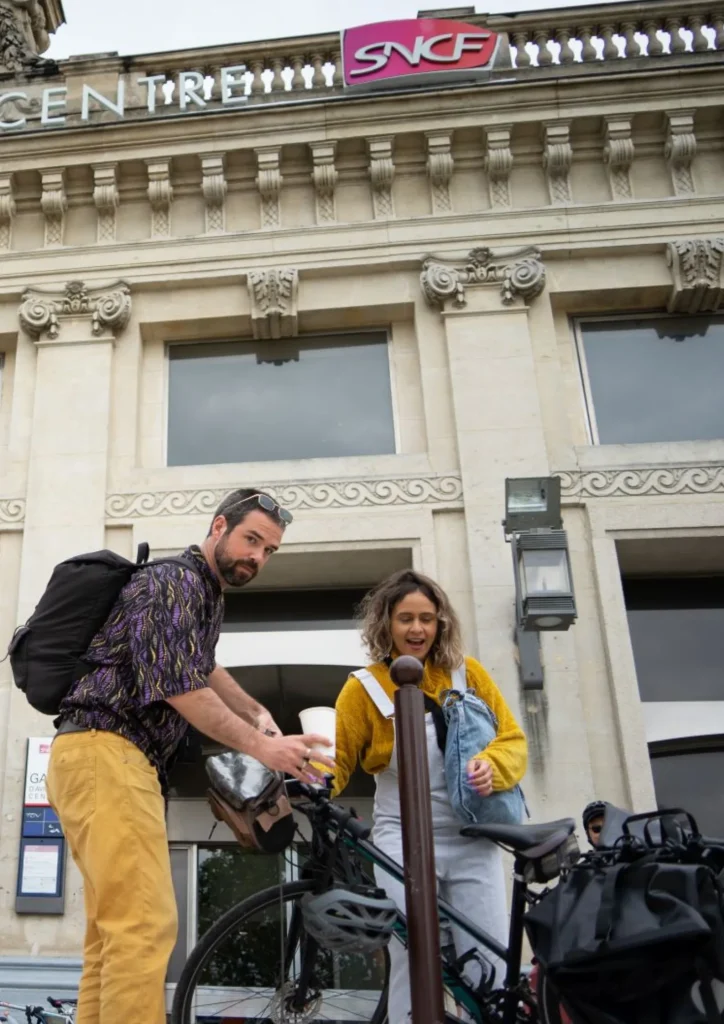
(364,735)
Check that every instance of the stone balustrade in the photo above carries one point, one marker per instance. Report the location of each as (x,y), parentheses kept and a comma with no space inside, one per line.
(610,34)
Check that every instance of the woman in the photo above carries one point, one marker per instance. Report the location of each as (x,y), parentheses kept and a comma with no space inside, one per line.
(410,614)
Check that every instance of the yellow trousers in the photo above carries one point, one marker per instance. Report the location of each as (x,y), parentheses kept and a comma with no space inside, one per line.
(109,801)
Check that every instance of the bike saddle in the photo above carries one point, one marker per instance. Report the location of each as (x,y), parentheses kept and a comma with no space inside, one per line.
(524,838)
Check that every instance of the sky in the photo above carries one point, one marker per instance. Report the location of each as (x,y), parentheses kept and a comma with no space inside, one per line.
(151,26)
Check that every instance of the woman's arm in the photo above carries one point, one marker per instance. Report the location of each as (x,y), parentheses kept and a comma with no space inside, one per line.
(508,753)
(353,731)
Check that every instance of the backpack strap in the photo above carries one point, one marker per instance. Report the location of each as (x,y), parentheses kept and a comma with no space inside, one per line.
(375,692)
(460,678)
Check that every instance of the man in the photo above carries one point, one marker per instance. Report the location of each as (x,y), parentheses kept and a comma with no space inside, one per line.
(593,815)
(153,673)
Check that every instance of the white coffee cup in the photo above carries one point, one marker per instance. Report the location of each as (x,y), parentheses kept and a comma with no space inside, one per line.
(322,722)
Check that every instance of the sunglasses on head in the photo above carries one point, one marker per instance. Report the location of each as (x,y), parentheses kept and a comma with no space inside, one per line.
(264,502)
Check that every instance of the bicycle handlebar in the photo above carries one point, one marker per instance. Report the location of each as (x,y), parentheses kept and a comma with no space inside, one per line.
(344,820)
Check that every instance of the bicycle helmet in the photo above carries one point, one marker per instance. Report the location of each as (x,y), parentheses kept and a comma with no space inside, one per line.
(596,809)
(358,919)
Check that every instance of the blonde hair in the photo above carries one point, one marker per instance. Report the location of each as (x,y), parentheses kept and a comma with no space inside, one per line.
(376,609)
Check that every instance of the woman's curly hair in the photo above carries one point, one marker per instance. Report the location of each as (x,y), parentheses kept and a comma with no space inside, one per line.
(377,606)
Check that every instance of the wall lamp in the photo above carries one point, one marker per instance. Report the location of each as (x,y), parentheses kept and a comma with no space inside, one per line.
(544,598)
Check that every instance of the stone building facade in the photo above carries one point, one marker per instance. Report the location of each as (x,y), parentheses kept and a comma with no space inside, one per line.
(223,267)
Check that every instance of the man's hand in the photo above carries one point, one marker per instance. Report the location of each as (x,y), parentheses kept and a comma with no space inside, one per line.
(292,754)
(265,723)
(480,776)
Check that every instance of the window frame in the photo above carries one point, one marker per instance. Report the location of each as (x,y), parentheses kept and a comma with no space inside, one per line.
(584,379)
(387,330)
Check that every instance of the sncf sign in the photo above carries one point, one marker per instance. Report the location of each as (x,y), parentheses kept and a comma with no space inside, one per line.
(415,51)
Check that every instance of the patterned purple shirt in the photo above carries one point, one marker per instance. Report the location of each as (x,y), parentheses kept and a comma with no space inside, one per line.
(159,641)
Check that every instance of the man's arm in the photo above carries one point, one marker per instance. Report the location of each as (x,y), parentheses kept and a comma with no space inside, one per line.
(238,700)
(207,712)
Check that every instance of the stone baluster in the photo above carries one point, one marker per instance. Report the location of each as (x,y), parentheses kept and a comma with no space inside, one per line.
(522,58)
(680,150)
(338,77)
(440,166)
(717,23)
(557,160)
(160,196)
(650,30)
(278,84)
(545,57)
(7,211)
(633,46)
(214,189)
(297,62)
(269,183)
(257,83)
(54,203)
(610,50)
(318,78)
(563,36)
(588,50)
(673,27)
(498,163)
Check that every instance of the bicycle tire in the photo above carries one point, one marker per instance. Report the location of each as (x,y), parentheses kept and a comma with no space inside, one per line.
(223,928)
(549,1010)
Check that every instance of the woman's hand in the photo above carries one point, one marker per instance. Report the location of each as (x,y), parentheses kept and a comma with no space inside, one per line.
(480,776)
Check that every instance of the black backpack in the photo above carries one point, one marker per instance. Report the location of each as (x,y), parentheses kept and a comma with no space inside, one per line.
(635,934)
(46,654)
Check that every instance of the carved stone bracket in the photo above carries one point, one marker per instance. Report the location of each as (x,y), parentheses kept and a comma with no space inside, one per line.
(618,155)
(160,196)
(440,167)
(12,511)
(274,302)
(382,174)
(7,211)
(441,491)
(680,150)
(324,178)
(54,203)
(106,198)
(269,182)
(214,188)
(498,163)
(697,269)
(557,160)
(24,28)
(644,482)
(108,309)
(520,274)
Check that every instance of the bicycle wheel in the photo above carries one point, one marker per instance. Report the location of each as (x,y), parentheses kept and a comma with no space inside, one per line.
(248,967)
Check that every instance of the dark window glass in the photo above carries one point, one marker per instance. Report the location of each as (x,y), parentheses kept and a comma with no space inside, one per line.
(260,610)
(677,633)
(266,400)
(656,379)
(692,780)
(180,876)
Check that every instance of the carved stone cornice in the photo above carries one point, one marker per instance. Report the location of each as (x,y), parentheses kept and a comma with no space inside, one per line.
(618,155)
(443,491)
(498,163)
(382,174)
(274,297)
(12,511)
(160,197)
(324,178)
(108,309)
(680,150)
(521,274)
(557,160)
(214,188)
(638,483)
(24,28)
(697,269)
(7,211)
(440,167)
(269,182)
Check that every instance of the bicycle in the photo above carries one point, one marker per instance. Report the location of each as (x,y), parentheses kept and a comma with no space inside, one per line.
(62,1012)
(285,977)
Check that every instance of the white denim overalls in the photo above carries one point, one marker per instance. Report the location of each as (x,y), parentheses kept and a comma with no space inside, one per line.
(469,871)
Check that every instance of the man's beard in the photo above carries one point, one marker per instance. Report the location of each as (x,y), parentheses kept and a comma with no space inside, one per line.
(231,569)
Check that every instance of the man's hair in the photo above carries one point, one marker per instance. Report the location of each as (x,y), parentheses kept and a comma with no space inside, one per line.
(235,508)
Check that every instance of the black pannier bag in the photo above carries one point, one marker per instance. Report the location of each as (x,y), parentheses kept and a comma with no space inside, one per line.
(635,935)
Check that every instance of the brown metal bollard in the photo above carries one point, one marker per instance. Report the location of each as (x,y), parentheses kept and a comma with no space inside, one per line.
(423,923)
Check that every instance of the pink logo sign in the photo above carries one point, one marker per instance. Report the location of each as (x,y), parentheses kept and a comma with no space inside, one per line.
(416,50)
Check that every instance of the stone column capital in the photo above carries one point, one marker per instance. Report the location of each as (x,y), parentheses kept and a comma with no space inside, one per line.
(42,312)
(521,274)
